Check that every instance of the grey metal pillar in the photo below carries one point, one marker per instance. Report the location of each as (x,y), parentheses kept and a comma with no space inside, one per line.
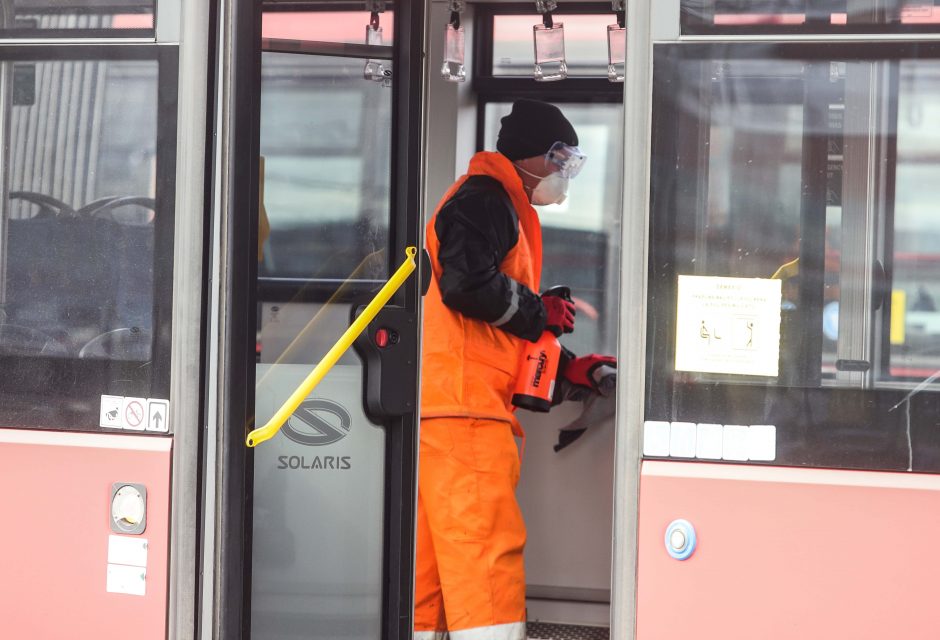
(186,23)
(633,305)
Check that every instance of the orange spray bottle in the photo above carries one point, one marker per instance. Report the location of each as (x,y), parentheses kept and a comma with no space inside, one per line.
(538,370)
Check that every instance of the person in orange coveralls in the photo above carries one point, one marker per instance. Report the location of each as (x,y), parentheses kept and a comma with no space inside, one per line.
(485,245)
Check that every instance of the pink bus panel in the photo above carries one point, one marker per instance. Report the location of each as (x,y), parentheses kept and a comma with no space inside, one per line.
(789,553)
(55,529)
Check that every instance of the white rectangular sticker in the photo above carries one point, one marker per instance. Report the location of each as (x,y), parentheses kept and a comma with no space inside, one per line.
(708,441)
(734,442)
(129,580)
(158,415)
(134,414)
(762,442)
(656,438)
(728,325)
(682,440)
(111,412)
(127,550)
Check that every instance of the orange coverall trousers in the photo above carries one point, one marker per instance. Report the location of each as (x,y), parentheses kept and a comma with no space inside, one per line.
(470,577)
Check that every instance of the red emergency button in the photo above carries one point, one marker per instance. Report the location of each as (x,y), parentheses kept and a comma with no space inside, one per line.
(381,338)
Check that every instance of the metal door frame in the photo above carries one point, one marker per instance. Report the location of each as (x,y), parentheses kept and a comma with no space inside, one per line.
(631,345)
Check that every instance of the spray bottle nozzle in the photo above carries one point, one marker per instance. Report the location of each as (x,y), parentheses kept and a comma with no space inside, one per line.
(559,291)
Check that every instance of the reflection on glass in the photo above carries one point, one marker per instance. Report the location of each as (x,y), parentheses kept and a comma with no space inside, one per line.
(832,15)
(581,236)
(324,26)
(77,293)
(325,139)
(90,15)
(915,324)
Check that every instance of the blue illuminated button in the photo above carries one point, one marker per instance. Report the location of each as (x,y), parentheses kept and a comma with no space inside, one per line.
(680,539)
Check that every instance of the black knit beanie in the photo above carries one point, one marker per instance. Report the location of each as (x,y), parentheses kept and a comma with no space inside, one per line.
(531,128)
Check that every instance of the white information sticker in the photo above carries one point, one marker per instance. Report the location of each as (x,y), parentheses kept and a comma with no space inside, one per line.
(129,580)
(110,415)
(728,325)
(126,550)
(656,438)
(134,413)
(682,440)
(157,415)
(708,441)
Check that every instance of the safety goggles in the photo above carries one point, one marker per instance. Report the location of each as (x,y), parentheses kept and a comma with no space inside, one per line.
(568,159)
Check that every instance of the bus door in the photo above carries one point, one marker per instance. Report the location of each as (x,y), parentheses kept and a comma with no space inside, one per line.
(320,534)
(789,443)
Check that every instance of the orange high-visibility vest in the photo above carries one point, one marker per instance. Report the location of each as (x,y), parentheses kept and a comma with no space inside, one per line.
(469,367)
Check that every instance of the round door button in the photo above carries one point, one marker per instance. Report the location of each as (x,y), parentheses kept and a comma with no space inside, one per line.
(680,539)
(677,540)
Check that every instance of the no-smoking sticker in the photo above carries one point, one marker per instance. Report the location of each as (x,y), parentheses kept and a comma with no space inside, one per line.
(134,413)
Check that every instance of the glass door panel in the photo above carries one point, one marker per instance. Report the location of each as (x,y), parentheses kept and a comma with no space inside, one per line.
(325,140)
(319,484)
(792,267)
(86,235)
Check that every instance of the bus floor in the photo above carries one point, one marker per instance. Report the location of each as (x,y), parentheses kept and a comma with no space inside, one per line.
(552,631)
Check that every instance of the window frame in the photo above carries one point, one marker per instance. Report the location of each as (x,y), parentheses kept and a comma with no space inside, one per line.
(835,448)
(164,223)
(323,290)
(492,88)
(489,88)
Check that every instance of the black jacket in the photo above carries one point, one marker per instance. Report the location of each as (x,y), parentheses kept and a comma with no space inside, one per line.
(477,228)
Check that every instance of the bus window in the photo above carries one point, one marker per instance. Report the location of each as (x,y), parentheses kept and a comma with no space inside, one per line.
(279,22)
(914,330)
(121,18)
(326,170)
(819,16)
(793,258)
(585,43)
(86,248)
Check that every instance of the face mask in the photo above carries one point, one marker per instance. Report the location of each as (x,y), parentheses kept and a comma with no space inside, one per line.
(552,189)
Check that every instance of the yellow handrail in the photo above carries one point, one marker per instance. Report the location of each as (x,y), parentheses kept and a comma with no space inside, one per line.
(787,270)
(274,425)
